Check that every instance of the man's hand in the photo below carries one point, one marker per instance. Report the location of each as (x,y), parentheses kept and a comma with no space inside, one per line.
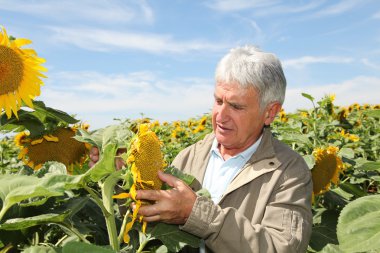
(94,157)
(171,206)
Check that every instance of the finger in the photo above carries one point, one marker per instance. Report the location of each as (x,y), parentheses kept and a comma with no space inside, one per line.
(149,210)
(94,151)
(152,195)
(152,218)
(169,179)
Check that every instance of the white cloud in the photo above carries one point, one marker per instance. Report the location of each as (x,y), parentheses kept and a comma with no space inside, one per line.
(376,15)
(362,90)
(97,98)
(101,11)
(368,63)
(339,8)
(306,60)
(262,7)
(107,40)
(236,5)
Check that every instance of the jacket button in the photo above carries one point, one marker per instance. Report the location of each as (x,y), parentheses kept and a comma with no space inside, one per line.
(271,163)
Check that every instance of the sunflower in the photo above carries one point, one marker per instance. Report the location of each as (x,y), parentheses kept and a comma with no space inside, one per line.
(20,77)
(328,166)
(282,116)
(59,146)
(145,160)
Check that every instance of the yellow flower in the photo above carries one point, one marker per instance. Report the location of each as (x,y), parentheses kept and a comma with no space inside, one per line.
(343,114)
(59,146)
(353,137)
(331,97)
(154,124)
(203,121)
(199,128)
(328,166)
(146,159)
(20,76)
(366,106)
(282,115)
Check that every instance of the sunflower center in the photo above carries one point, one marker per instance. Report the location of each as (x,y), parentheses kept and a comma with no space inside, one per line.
(11,70)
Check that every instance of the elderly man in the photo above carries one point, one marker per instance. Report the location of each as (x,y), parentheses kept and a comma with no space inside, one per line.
(260,188)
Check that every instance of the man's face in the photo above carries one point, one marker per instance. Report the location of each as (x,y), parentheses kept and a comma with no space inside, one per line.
(236,117)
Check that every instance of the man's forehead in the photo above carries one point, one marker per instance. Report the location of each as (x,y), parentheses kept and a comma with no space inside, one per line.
(234,89)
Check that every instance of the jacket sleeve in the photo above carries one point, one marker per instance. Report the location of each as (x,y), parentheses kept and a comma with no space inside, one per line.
(285,226)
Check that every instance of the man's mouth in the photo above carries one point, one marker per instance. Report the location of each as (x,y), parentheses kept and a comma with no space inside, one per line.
(222,128)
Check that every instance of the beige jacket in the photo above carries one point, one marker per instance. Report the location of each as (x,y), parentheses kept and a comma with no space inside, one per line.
(266,208)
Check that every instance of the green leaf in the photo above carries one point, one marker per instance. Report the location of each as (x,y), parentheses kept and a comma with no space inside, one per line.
(297,138)
(188,179)
(21,223)
(105,165)
(95,138)
(41,109)
(41,249)
(324,229)
(375,113)
(310,161)
(204,192)
(35,191)
(174,238)
(308,96)
(359,225)
(331,248)
(353,189)
(347,152)
(370,166)
(80,247)
(117,134)
(342,193)
(25,119)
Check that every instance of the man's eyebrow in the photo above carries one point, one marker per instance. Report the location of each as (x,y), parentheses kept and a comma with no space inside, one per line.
(236,104)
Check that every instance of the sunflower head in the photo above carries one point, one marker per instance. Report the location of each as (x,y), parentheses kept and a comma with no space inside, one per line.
(20,74)
(59,146)
(146,159)
(328,166)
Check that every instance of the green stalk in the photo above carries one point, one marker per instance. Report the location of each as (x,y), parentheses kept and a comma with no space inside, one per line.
(107,209)
(142,245)
(107,191)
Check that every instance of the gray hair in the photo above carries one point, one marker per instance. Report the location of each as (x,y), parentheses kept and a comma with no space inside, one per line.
(250,67)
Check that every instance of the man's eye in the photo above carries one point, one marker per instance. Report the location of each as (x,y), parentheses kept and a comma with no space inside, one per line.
(218,101)
(236,107)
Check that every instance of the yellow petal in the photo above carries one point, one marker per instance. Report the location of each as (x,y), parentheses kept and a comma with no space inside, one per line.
(123,195)
(37,141)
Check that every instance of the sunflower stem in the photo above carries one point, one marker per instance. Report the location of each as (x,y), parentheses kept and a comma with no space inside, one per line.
(107,191)
(108,215)
(143,244)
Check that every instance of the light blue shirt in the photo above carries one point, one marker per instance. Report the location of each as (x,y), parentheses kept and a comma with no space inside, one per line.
(219,173)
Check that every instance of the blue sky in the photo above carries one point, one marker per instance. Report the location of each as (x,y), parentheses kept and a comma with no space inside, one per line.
(118,59)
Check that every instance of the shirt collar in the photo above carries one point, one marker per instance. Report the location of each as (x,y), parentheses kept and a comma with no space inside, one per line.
(246,154)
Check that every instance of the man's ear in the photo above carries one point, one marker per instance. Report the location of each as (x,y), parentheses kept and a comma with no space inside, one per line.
(271,112)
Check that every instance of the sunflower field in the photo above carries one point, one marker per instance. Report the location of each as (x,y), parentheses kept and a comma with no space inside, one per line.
(51,200)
